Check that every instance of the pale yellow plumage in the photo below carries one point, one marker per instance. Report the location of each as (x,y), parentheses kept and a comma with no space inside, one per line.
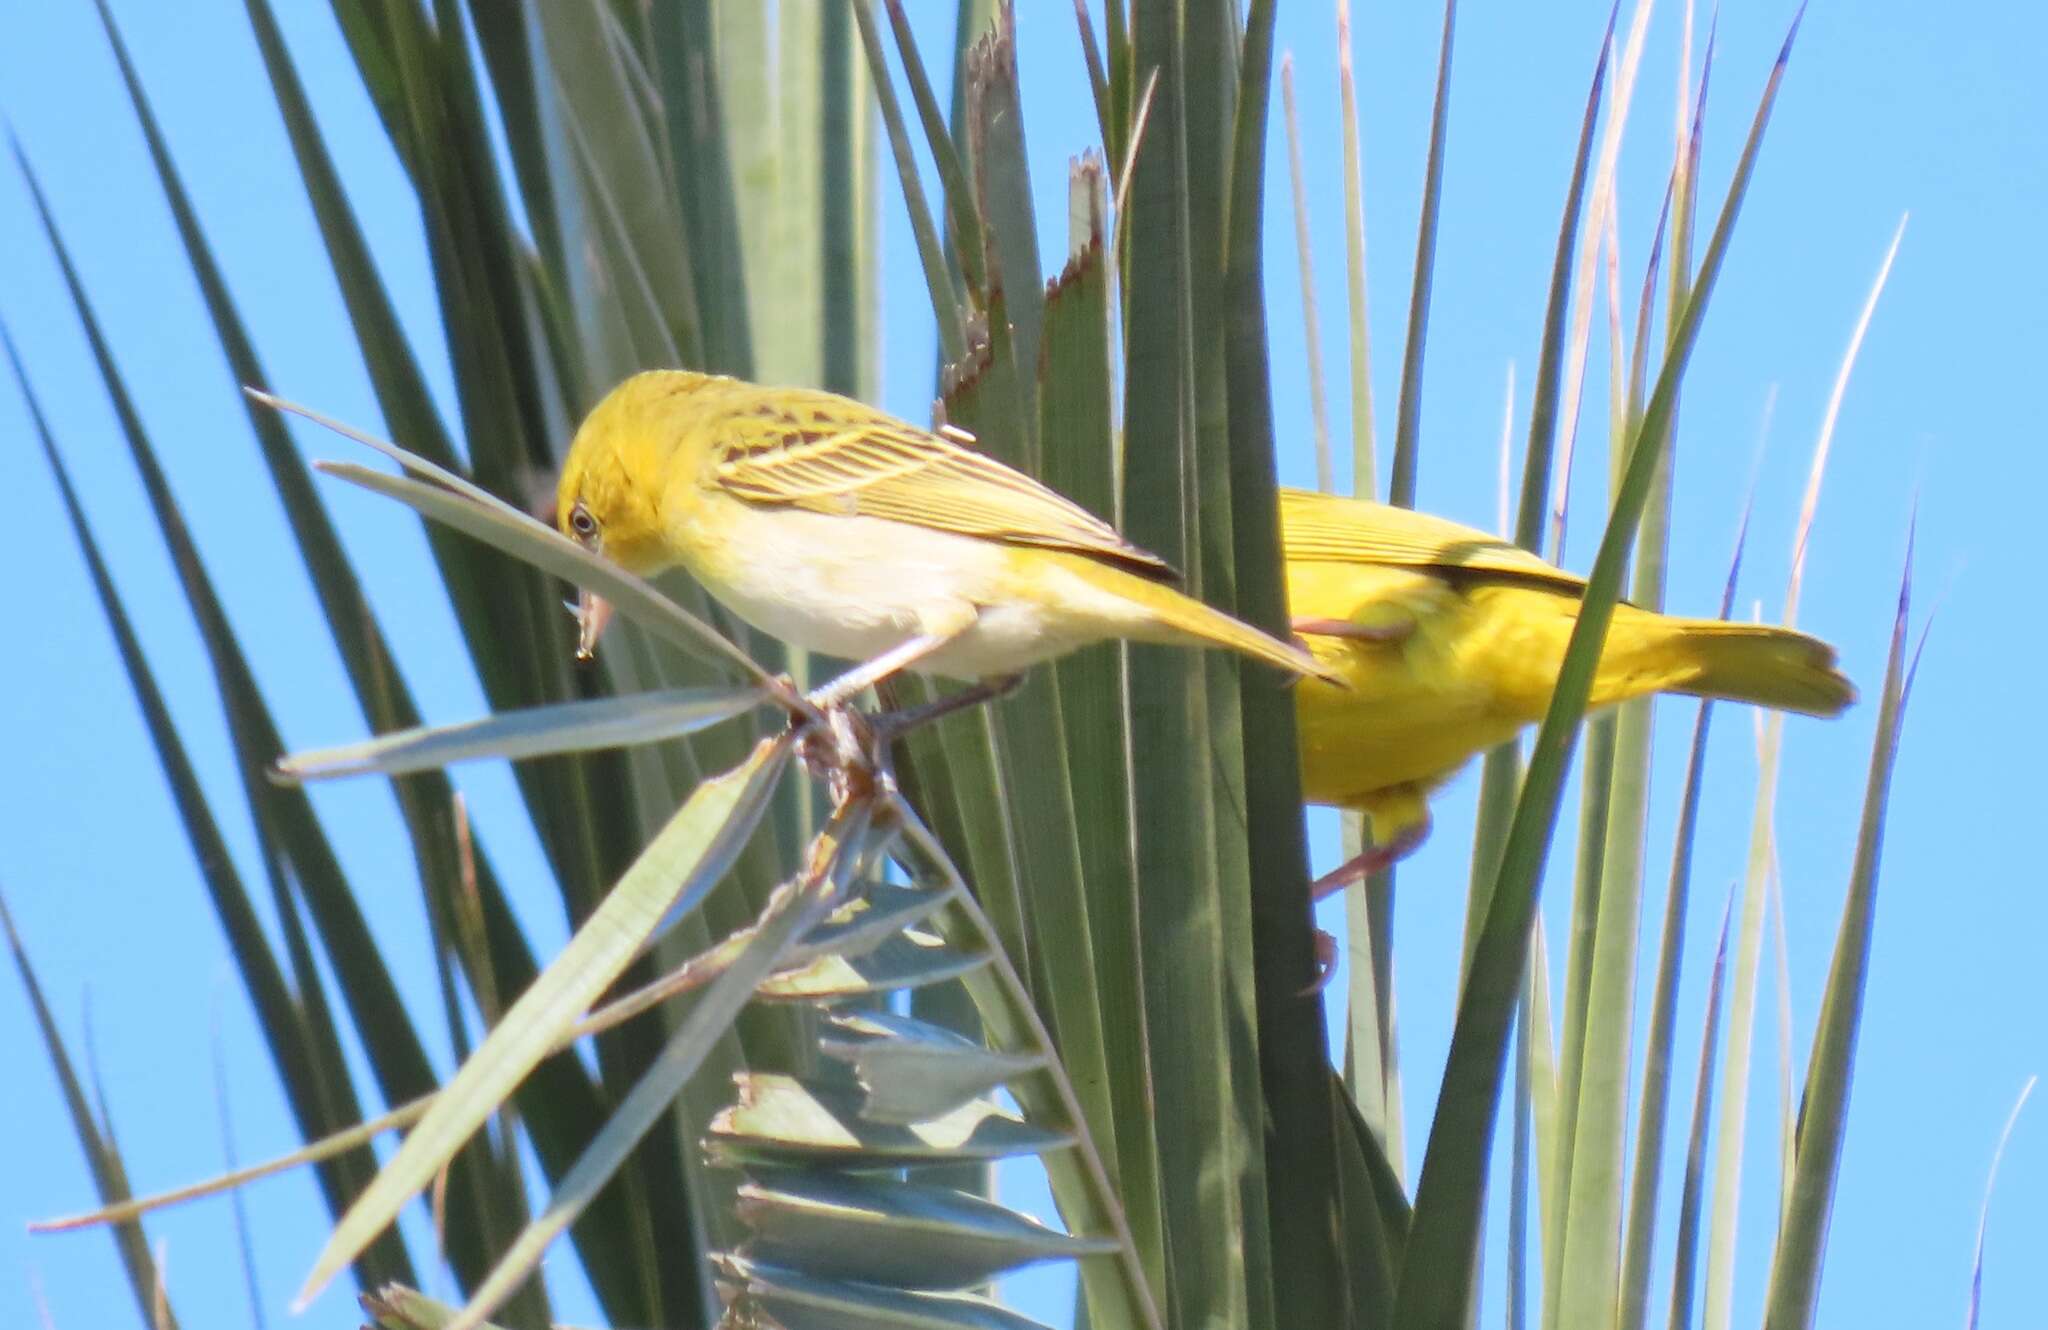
(1449,641)
(844,530)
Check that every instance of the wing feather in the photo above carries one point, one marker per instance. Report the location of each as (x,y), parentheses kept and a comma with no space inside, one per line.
(1333,529)
(824,453)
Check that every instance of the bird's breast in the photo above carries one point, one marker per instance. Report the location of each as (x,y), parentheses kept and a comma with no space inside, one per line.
(856,586)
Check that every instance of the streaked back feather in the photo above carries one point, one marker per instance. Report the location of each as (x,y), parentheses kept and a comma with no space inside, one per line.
(826,453)
(1335,529)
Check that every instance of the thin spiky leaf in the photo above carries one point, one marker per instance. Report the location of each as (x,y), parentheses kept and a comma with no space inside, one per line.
(565,727)
(912,1070)
(1685,1243)
(797,1300)
(1436,1279)
(1794,1286)
(838,853)
(1984,1210)
(1301,1145)
(276,1005)
(1653,1115)
(888,1231)
(109,1173)
(677,868)
(1408,410)
(963,210)
(564,1108)
(1730,1130)
(1116,1288)
(930,253)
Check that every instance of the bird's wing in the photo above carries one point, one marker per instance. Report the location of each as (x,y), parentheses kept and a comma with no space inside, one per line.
(826,454)
(1333,529)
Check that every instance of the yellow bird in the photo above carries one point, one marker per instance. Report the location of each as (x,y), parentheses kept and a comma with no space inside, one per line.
(1449,641)
(840,529)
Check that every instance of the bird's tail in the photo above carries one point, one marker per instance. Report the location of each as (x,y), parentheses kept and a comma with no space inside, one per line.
(1174,617)
(1744,662)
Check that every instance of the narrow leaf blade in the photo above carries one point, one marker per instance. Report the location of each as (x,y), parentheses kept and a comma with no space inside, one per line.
(565,727)
(676,869)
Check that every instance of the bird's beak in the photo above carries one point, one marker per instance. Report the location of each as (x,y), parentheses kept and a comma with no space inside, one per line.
(593,612)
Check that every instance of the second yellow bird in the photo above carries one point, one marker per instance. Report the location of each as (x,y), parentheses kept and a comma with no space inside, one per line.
(1449,641)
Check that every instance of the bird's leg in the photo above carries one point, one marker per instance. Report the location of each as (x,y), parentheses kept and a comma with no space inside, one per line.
(837,691)
(1359,632)
(886,728)
(937,631)
(1373,859)
(1410,834)
(1393,630)
(893,725)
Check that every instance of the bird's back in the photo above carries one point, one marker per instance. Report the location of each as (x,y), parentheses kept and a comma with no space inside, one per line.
(1329,528)
(1452,641)
(821,452)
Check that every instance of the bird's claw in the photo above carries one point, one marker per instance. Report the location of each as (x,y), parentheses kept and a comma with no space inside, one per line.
(844,750)
(1326,965)
(1373,859)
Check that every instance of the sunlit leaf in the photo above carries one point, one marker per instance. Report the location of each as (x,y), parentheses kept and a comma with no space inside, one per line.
(913,1070)
(1824,1104)
(312,1097)
(797,1301)
(1652,1115)
(517,533)
(885,1231)
(1984,1211)
(395,1307)
(908,960)
(781,1120)
(677,868)
(109,1174)
(1436,1282)
(566,727)
(796,907)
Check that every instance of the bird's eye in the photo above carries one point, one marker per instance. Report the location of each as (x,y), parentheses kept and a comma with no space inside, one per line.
(582,523)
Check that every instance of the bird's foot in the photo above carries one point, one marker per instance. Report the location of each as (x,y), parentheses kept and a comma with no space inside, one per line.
(852,750)
(943,628)
(1326,965)
(893,725)
(1373,859)
(842,749)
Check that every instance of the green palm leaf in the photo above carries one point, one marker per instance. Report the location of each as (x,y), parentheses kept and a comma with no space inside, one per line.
(1087,897)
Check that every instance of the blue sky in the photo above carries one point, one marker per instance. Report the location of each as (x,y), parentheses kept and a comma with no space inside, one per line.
(1889,108)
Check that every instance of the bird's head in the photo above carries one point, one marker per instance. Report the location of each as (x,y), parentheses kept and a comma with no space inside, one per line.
(609,497)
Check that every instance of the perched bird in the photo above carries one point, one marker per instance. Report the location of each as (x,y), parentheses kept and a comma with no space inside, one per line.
(840,529)
(1449,641)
